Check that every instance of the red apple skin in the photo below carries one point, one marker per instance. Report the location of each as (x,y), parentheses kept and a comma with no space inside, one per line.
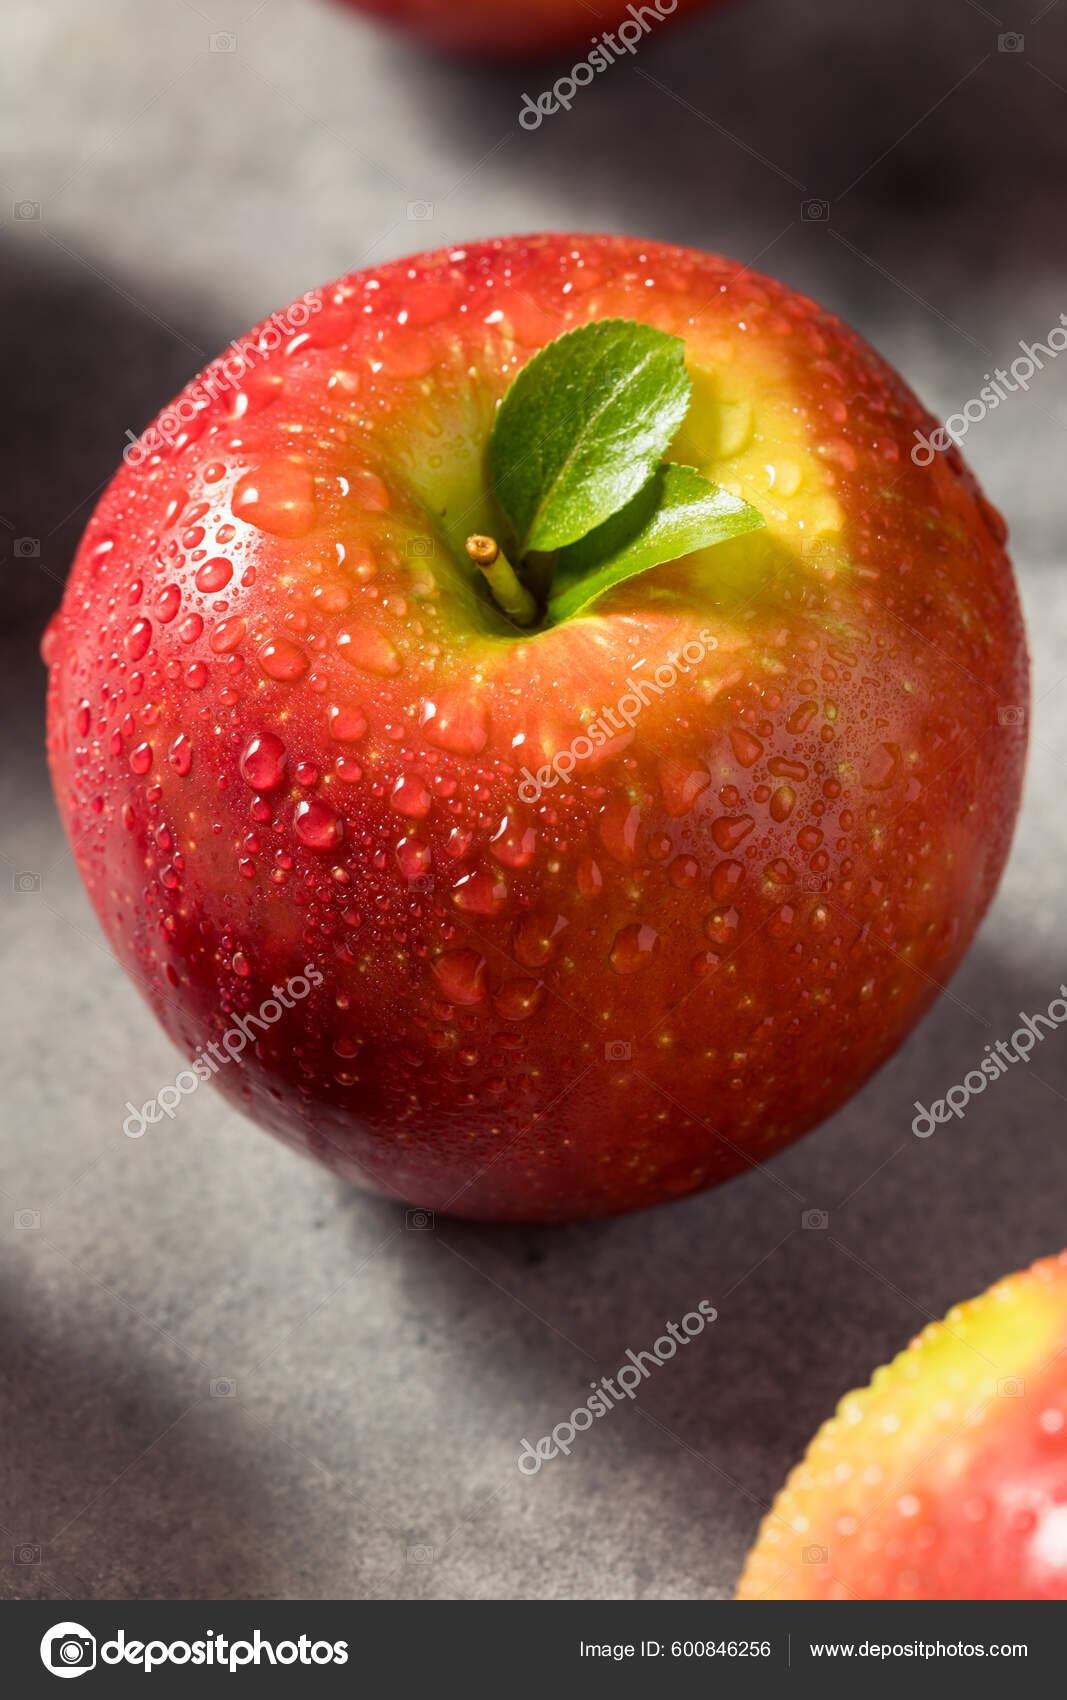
(758,890)
(514,29)
(946,1477)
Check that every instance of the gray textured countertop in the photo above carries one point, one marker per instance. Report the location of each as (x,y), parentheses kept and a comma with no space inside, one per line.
(384,1376)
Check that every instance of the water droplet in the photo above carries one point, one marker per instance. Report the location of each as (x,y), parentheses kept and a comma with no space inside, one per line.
(228,634)
(262,762)
(410,797)
(138,639)
(681,781)
(190,628)
(517,1000)
(746,748)
(347,723)
(536,938)
(82,720)
(461,976)
(214,574)
(729,830)
(633,948)
(180,755)
(514,844)
(141,758)
(781,768)
(368,492)
(480,893)
(590,879)
(278,497)
(457,725)
(168,603)
(413,858)
(317,825)
(801,718)
(721,926)
(683,872)
(369,649)
(280,658)
(618,830)
(783,802)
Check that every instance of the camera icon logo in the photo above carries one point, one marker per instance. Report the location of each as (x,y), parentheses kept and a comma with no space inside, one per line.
(223,41)
(1011,1387)
(419,1555)
(26,1554)
(420,209)
(1011,715)
(815,1555)
(27,1218)
(27,548)
(1011,42)
(29,211)
(223,1387)
(617,1050)
(815,212)
(419,1221)
(420,882)
(419,547)
(68,1649)
(24,882)
(815,1219)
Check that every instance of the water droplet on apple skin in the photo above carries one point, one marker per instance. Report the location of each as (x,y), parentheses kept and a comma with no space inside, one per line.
(278,498)
(461,976)
(633,948)
(263,762)
(317,824)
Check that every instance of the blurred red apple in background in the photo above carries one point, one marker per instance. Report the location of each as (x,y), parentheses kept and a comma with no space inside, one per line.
(288,726)
(516,29)
(946,1478)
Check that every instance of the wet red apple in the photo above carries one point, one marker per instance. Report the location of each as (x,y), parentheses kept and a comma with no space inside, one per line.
(946,1478)
(505,29)
(288,726)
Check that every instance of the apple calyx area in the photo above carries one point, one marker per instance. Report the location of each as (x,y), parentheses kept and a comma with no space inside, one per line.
(578,474)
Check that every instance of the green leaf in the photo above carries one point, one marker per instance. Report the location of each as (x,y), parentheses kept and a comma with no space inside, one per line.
(677,511)
(582,428)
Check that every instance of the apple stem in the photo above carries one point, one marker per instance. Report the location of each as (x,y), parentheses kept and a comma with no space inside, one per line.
(508,590)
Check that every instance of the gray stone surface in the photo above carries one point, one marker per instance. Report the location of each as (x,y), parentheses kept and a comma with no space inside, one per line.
(384,1376)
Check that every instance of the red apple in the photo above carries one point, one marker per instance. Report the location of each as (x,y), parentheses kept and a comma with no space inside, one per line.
(946,1478)
(287,727)
(516,29)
